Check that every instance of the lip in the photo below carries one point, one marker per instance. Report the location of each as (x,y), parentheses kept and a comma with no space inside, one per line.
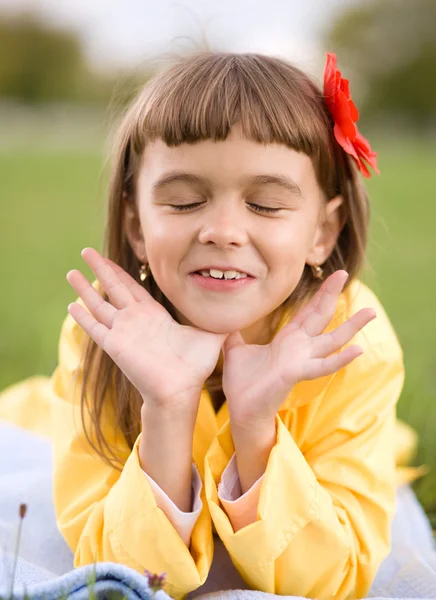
(223,268)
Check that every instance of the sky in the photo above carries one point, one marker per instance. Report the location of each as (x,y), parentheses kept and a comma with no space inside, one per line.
(120,33)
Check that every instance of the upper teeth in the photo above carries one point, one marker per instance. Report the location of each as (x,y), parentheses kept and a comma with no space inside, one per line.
(219,274)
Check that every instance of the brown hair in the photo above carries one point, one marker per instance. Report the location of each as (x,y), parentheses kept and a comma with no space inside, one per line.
(200,97)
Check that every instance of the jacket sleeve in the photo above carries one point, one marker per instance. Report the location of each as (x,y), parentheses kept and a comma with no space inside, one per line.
(106,514)
(240,508)
(183,522)
(325,510)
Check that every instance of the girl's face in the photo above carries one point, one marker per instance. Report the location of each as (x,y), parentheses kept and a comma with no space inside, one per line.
(226,227)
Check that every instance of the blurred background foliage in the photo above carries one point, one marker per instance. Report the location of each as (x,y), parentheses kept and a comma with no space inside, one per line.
(41,64)
(56,114)
(389,47)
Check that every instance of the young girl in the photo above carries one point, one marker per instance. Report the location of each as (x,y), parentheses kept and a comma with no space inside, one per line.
(217,389)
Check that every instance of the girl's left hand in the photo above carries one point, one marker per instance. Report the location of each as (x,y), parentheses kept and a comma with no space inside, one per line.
(257,379)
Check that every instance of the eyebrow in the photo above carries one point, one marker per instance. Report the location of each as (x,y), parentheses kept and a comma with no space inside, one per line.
(276,179)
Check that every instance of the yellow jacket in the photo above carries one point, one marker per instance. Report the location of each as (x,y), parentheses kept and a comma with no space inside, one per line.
(326,502)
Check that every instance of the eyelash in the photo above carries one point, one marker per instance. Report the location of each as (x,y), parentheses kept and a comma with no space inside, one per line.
(260,209)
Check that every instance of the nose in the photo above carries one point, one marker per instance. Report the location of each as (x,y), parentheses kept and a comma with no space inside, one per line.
(224,225)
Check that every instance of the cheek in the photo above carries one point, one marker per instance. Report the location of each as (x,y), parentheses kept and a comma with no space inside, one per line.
(154,227)
(161,239)
(288,245)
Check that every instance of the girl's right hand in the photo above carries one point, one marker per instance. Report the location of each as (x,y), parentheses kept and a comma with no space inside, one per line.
(165,361)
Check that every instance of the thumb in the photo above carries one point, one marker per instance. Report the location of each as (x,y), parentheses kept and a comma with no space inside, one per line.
(232,340)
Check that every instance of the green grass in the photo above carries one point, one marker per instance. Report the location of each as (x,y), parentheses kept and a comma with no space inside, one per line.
(53,206)
(402,253)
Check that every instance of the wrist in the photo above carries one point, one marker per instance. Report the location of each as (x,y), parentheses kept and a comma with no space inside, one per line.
(167,424)
(165,453)
(251,425)
(253,448)
(259,432)
(182,415)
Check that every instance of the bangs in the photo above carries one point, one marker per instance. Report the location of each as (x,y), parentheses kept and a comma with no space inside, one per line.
(201,97)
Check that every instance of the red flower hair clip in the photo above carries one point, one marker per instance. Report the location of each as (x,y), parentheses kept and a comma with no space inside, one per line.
(345,115)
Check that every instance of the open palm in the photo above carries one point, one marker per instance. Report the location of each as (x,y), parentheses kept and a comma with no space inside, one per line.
(166,362)
(257,379)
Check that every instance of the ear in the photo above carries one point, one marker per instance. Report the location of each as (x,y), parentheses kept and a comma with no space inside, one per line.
(132,228)
(327,232)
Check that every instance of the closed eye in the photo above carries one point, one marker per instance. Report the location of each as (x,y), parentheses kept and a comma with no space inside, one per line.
(256,207)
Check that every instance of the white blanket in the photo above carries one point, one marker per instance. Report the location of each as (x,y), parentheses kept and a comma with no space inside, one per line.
(45,560)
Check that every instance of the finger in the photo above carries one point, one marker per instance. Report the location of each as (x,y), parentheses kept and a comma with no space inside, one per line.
(319,367)
(100,309)
(119,295)
(321,315)
(301,316)
(334,340)
(137,291)
(232,340)
(93,328)
(312,305)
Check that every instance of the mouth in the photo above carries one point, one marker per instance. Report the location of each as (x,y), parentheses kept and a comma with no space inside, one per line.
(220,285)
(220,278)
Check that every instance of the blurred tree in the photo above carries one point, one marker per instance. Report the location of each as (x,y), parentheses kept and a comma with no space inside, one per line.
(42,64)
(391,47)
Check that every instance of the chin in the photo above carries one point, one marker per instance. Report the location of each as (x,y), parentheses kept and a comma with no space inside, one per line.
(216,324)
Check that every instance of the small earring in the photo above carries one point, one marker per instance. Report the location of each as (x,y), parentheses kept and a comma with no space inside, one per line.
(318,273)
(144,272)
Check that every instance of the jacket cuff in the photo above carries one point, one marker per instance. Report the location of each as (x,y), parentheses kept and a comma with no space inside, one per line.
(183,522)
(240,508)
(288,498)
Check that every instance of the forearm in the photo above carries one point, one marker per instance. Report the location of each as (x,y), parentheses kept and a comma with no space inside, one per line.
(165,453)
(253,446)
